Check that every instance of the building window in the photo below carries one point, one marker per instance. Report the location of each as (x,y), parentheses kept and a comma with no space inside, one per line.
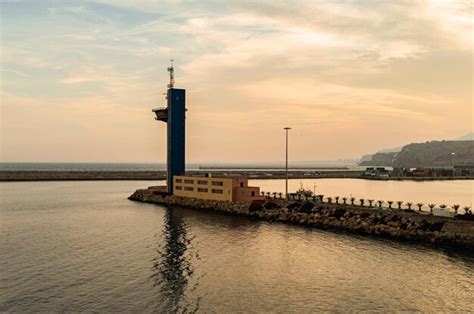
(241,184)
(253,193)
(203,190)
(202,182)
(188,188)
(217,183)
(187,181)
(179,187)
(178,180)
(217,191)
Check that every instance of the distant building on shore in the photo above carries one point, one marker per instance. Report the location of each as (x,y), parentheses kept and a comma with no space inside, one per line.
(232,189)
(423,172)
(380,172)
(464,171)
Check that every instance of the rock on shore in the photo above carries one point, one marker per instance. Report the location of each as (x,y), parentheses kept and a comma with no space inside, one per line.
(393,224)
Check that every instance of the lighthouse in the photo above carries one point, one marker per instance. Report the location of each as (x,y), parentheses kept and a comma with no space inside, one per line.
(174,115)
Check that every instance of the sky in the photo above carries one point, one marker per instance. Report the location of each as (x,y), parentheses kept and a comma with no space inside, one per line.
(79,78)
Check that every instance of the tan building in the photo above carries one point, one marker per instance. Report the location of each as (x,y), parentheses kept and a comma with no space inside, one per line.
(232,189)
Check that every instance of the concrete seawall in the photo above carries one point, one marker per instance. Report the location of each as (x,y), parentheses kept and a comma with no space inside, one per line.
(394,224)
(11,176)
(161,175)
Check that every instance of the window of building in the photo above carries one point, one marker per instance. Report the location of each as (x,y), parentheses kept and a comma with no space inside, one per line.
(188,188)
(204,190)
(217,183)
(188,181)
(179,187)
(202,182)
(179,180)
(217,191)
(253,193)
(241,184)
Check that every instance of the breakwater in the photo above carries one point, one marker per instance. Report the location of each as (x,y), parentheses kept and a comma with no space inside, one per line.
(61,175)
(394,224)
(31,175)
(12,176)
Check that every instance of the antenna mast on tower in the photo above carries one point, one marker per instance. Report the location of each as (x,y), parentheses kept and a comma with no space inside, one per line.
(171,70)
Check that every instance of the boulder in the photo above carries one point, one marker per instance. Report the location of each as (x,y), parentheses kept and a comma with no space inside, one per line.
(437,226)
(271,205)
(339,212)
(293,206)
(469,217)
(254,207)
(424,225)
(396,218)
(306,207)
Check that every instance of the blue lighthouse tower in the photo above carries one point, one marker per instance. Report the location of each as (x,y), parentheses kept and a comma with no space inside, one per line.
(174,116)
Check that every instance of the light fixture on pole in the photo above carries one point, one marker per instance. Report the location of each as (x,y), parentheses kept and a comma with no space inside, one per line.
(286,163)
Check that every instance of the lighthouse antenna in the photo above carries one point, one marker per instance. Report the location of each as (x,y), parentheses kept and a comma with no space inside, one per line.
(171,70)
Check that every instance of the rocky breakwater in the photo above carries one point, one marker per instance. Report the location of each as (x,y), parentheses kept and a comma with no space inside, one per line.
(395,224)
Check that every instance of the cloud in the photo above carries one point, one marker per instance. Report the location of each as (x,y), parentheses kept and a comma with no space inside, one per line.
(336,71)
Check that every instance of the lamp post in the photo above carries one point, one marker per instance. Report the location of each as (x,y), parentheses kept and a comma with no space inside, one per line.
(286,163)
(452,161)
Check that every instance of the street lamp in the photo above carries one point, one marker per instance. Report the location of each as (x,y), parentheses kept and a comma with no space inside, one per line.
(286,164)
(452,161)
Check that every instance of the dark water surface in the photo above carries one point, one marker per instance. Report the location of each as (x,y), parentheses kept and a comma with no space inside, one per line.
(83,246)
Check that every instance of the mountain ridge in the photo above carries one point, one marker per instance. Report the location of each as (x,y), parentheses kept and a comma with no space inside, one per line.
(429,154)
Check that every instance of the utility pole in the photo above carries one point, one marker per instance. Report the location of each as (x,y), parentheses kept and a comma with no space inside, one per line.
(286,164)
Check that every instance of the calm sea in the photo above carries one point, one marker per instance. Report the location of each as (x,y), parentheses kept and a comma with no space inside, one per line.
(82,246)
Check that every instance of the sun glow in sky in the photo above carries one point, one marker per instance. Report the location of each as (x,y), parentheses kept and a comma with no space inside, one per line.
(79,78)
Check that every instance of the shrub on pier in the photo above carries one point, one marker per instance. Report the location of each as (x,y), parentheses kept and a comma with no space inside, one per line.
(399,203)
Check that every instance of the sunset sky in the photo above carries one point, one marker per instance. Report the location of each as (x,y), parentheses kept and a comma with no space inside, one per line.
(79,79)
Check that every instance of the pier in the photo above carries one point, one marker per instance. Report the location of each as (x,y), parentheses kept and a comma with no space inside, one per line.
(393,223)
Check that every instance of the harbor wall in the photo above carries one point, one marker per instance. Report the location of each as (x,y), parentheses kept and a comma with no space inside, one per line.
(161,175)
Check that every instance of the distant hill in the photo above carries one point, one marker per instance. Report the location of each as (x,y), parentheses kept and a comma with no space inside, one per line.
(467,137)
(379,159)
(436,154)
(390,150)
(429,154)
(365,158)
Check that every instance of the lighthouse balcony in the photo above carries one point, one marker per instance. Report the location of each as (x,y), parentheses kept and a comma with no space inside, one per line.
(161,114)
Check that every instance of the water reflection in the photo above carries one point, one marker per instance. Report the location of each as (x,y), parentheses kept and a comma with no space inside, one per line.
(172,268)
